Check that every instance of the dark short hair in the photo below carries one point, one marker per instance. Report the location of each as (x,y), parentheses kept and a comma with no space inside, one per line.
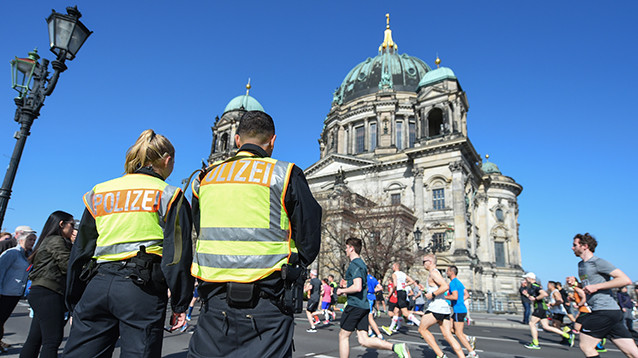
(587,239)
(454,269)
(355,243)
(256,124)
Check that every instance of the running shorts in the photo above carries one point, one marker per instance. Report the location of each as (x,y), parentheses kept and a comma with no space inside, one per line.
(558,317)
(458,317)
(439,316)
(354,318)
(402,299)
(605,323)
(325,305)
(581,317)
(391,306)
(311,306)
(540,312)
(379,296)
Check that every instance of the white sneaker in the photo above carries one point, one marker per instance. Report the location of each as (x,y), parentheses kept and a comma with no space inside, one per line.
(472,355)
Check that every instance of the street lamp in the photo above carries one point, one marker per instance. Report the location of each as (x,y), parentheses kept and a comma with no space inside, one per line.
(30,78)
(417,237)
(440,242)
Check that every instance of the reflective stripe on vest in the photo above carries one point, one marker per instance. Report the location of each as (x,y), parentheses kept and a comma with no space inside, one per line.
(129,211)
(244,228)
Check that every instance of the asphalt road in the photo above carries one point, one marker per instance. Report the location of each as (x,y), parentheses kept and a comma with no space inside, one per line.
(492,342)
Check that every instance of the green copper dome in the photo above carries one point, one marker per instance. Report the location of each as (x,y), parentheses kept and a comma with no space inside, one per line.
(387,70)
(490,168)
(437,75)
(243,102)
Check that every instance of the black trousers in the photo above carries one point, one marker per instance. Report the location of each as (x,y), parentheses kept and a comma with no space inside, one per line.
(7,305)
(113,307)
(47,325)
(223,331)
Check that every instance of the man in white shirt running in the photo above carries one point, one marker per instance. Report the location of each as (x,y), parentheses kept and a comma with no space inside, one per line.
(401,281)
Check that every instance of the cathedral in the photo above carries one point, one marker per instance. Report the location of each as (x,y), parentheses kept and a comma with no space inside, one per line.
(397,168)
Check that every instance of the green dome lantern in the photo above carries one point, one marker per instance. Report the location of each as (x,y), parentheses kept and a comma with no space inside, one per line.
(488,167)
(435,76)
(244,103)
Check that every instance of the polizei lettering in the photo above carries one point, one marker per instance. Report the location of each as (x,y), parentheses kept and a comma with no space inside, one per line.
(122,201)
(243,171)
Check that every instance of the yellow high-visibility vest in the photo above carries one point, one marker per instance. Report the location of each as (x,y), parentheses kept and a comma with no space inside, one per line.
(244,228)
(130,211)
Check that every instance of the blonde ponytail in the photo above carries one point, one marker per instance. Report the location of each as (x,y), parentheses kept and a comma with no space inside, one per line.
(149,149)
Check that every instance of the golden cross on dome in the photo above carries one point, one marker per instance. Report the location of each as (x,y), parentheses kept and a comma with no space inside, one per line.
(387,38)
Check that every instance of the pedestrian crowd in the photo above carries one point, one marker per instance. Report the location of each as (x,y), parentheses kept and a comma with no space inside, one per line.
(258,230)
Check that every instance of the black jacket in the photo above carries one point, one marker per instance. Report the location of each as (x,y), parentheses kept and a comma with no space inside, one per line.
(178,277)
(305,220)
(50,263)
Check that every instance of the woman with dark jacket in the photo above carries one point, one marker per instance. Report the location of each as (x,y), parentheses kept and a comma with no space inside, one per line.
(50,259)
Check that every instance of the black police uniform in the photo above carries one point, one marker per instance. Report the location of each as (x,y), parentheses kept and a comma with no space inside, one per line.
(263,330)
(111,305)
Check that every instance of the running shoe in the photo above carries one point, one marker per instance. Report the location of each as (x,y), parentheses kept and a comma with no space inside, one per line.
(443,356)
(381,337)
(311,330)
(4,345)
(326,322)
(572,338)
(532,346)
(401,349)
(472,355)
(600,347)
(387,330)
(188,317)
(472,341)
(317,320)
(566,329)
(184,327)
(370,333)
(334,315)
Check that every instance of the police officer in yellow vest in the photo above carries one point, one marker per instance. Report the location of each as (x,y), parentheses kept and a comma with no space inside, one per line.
(253,214)
(134,243)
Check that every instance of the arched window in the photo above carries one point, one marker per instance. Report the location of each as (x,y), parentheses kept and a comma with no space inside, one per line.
(224,142)
(373,135)
(435,122)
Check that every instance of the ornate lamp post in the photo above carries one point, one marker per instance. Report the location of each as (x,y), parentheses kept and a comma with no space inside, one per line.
(30,78)
(417,238)
(438,243)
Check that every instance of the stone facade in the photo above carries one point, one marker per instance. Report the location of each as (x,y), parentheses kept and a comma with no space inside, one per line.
(396,145)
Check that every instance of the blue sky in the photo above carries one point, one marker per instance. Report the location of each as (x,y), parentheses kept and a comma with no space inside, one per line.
(551,87)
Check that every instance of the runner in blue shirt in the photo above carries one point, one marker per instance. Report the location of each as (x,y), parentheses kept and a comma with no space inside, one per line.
(457,294)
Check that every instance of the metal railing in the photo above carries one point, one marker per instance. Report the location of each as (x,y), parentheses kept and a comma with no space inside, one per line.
(495,303)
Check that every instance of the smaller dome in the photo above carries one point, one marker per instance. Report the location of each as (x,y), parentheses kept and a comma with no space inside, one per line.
(490,168)
(438,75)
(245,102)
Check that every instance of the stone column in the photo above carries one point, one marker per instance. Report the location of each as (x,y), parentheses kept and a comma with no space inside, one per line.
(458,207)
(419,196)
(341,137)
(350,140)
